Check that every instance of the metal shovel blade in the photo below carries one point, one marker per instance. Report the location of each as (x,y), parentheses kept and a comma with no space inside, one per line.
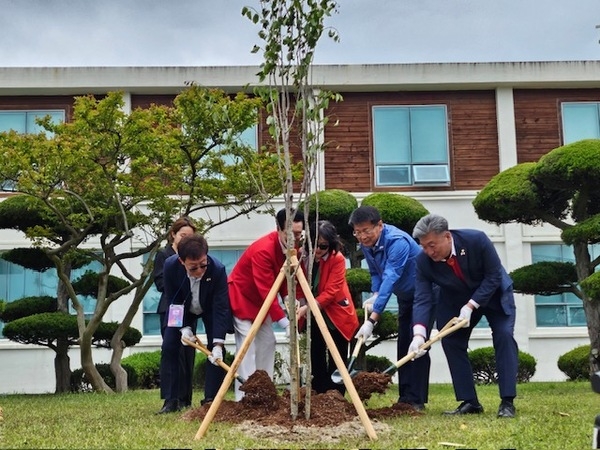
(336,376)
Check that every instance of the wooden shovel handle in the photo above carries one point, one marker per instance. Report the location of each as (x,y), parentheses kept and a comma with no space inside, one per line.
(452,325)
(200,346)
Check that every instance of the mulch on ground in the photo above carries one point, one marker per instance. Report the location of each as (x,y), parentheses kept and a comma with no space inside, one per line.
(263,405)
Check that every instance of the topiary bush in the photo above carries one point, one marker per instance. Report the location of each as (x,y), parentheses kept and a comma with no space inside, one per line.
(359,281)
(200,368)
(396,209)
(146,367)
(575,364)
(80,383)
(483,363)
(377,363)
(28,306)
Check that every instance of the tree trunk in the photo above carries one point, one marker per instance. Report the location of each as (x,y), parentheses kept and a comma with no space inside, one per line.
(89,368)
(583,265)
(117,370)
(62,366)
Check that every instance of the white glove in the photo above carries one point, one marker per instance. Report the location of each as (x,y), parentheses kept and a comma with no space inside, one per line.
(465,313)
(287,331)
(415,345)
(365,331)
(186,332)
(217,353)
(369,303)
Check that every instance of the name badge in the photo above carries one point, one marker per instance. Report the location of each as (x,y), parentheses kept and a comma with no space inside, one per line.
(175,318)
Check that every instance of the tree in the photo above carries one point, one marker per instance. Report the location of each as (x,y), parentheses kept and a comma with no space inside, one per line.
(563,190)
(290,30)
(115,180)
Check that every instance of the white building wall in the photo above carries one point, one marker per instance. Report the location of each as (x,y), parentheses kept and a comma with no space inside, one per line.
(29,369)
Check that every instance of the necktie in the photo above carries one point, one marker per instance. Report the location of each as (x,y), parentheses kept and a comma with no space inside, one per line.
(453,263)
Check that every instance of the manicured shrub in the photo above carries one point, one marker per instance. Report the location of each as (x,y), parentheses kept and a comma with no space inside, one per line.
(146,366)
(483,362)
(28,306)
(200,368)
(575,364)
(377,363)
(396,209)
(80,382)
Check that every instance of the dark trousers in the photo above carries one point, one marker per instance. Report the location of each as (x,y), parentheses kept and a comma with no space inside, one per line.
(456,344)
(177,369)
(322,362)
(413,377)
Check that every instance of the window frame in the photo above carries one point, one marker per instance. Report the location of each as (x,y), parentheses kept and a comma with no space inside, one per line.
(402,156)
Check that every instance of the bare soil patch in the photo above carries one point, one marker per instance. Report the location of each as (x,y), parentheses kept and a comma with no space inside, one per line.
(266,414)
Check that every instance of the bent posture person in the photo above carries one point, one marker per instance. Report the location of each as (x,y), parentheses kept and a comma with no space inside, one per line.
(473,283)
(391,254)
(198,282)
(181,228)
(249,284)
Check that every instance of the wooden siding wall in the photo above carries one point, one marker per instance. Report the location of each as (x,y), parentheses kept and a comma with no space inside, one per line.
(144,101)
(538,120)
(473,138)
(64,102)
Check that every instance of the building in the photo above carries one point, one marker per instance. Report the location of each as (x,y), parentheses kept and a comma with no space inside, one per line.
(467,122)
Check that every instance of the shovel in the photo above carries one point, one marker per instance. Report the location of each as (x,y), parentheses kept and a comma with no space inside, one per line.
(200,346)
(336,376)
(452,325)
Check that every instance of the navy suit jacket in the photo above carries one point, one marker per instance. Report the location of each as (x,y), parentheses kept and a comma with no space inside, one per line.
(486,281)
(214,296)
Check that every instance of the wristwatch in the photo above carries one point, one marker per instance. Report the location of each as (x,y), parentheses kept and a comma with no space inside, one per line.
(374,322)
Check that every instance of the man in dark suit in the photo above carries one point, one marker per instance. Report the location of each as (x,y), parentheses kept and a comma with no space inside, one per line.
(197,281)
(473,283)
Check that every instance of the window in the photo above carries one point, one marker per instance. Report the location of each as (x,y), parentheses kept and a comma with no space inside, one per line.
(563,310)
(151,319)
(24,121)
(580,121)
(17,282)
(410,145)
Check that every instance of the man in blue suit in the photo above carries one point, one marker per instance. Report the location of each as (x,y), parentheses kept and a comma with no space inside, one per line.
(473,283)
(391,254)
(197,281)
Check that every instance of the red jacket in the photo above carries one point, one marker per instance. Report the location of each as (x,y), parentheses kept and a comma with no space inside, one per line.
(252,278)
(334,296)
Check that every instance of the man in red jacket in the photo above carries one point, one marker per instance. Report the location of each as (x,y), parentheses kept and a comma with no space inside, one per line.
(249,284)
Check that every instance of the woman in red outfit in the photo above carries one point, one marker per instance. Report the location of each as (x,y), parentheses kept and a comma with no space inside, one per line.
(331,292)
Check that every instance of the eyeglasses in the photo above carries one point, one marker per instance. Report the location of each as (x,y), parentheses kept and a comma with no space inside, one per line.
(365,232)
(201,266)
(323,246)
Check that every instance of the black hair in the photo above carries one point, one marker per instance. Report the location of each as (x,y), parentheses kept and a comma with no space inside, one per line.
(281,216)
(192,247)
(364,214)
(328,232)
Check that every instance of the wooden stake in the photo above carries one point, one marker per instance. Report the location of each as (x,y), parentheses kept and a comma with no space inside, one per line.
(262,313)
(314,307)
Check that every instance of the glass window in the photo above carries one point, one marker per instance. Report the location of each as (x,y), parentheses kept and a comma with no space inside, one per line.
(17,282)
(563,310)
(25,121)
(410,145)
(580,121)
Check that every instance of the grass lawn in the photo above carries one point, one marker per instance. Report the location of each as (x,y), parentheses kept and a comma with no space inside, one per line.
(556,415)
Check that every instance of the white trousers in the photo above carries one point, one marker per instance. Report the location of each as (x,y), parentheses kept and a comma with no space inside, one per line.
(260,354)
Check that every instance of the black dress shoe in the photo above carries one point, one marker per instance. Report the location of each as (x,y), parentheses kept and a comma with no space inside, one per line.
(465,408)
(506,410)
(169,407)
(184,404)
